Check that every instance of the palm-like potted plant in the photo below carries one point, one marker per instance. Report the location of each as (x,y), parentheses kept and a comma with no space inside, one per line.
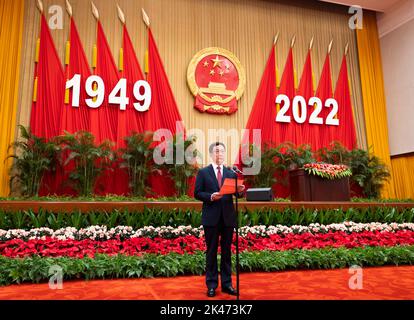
(271,166)
(179,172)
(368,172)
(136,157)
(33,156)
(90,159)
(336,153)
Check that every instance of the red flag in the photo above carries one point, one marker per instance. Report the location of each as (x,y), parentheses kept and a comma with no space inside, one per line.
(324,92)
(163,112)
(49,99)
(104,120)
(345,132)
(76,118)
(290,131)
(130,120)
(47,110)
(263,114)
(306,90)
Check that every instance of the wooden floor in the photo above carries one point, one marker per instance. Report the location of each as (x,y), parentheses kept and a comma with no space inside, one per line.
(377,283)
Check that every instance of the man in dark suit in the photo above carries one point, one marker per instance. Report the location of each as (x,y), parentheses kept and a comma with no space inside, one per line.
(218,219)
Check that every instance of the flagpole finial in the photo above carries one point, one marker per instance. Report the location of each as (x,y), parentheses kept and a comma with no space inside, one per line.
(311,43)
(145,18)
(95,11)
(330,47)
(276,38)
(293,41)
(69,8)
(121,14)
(39,4)
(346,48)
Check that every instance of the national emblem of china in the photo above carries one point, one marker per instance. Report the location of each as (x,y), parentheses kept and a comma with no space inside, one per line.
(217,80)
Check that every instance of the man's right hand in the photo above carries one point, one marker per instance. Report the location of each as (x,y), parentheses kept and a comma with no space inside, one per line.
(216,196)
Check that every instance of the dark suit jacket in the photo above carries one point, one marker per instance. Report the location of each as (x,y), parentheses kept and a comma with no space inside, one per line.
(206,185)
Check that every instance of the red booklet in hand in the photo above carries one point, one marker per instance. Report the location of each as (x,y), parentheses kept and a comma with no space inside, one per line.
(229,186)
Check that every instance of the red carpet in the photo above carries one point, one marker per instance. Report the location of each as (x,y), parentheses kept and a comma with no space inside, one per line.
(378,283)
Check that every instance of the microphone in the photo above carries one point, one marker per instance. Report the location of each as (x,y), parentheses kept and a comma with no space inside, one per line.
(236,170)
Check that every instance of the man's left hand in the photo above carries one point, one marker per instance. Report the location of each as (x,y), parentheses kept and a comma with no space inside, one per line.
(241,188)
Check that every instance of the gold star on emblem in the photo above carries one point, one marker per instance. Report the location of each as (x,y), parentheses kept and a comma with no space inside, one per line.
(217,62)
(212,72)
(205,64)
(227,67)
(221,72)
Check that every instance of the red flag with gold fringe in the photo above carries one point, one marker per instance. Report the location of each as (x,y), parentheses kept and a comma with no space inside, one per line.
(76,118)
(48,98)
(345,132)
(130,120)
(163,112)
(306,90)
(290,132)
(49,87)
(104,119)
(263,114)
(324,92)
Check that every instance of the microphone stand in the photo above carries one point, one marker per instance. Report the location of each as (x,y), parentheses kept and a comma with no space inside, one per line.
(237,239)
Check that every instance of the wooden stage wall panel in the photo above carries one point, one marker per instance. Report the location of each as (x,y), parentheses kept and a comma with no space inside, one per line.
(85,207)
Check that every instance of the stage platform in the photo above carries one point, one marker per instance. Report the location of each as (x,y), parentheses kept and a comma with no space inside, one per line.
(108,206)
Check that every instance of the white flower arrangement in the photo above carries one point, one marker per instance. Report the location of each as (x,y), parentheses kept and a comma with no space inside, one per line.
(101,233)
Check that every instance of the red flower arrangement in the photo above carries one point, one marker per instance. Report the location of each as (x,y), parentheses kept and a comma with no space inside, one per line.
(51,247)
(328,171)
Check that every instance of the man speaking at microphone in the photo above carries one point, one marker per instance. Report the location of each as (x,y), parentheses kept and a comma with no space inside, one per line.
(218,219)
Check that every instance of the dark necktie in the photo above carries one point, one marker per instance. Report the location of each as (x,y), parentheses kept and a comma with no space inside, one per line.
(219,177)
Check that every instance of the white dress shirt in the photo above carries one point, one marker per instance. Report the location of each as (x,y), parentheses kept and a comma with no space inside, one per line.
(215,169)
(215,166)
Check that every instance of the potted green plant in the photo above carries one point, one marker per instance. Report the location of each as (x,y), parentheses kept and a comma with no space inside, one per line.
(90,159)
(272,165)
(136,157)
(33,156)
(179,172)
(368,173)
